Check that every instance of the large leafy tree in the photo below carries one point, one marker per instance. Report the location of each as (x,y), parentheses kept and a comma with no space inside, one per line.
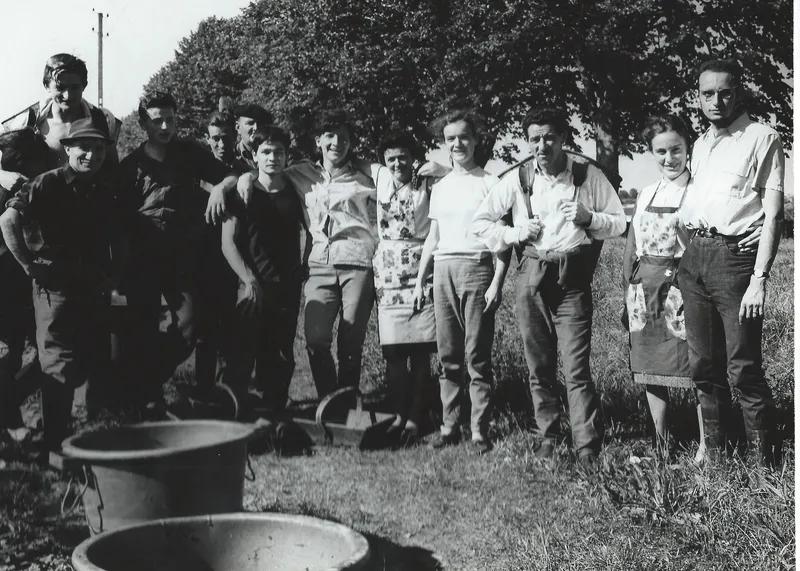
(402,62)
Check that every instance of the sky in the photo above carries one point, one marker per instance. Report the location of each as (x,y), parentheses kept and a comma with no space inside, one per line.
(142,36)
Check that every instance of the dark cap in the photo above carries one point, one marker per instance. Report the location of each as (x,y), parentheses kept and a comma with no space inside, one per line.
(84,129)
(253,111)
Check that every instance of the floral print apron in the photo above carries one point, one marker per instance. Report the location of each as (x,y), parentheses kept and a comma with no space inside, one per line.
(396,264)
(659,353)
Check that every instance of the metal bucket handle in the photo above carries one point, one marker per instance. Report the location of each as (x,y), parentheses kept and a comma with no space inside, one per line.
(335,395)
(74,478)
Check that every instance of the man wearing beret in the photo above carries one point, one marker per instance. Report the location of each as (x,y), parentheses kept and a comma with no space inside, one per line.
(82,255)
(249,117)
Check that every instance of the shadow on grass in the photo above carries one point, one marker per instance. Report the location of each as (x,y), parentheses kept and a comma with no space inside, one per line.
(389,556)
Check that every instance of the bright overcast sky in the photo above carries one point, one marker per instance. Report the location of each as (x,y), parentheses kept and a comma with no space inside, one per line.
(142,36)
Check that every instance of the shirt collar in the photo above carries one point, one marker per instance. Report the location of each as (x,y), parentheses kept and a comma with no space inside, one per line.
(345,168)
(46,103)
(244,151)
(539,170)
(69,174)
(735,129)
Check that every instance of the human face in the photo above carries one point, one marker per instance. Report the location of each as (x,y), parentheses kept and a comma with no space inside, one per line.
(671,152)
(718,97)
(86,156)
(271,157)
(547,145)
(66,91)
(159,125)
(399,163)
(334,145)
(460,142)
(246,127)
(221,140)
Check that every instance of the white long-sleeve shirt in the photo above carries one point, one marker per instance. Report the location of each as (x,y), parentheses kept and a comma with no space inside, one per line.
(596,194)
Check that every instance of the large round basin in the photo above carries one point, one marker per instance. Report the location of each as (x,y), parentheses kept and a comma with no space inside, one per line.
(156,470)
(226,542)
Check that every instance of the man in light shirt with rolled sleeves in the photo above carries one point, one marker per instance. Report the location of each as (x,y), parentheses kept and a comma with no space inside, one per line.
(560,208)
(736,195)
(340,212)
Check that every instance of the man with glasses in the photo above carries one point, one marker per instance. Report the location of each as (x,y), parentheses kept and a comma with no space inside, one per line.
(737,168)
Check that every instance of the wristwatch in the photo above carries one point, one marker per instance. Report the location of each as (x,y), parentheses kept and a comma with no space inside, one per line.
(760,274)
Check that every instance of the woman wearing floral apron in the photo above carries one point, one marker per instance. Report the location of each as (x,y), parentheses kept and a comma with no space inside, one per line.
(656,241)
(407,337)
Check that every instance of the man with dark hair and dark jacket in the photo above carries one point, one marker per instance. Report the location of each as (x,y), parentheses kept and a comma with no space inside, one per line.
(159,183)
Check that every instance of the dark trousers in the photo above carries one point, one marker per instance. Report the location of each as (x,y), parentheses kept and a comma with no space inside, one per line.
(266,341)
(553,318)
(169,265)
(216,301)
(73,341)
(16,326)
(723,353)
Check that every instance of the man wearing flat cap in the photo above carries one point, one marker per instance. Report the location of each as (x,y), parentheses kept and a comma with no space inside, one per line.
(83,250)
(249,117)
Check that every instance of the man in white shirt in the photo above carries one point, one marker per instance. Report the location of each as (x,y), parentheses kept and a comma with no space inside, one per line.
(737,167)
(560,208)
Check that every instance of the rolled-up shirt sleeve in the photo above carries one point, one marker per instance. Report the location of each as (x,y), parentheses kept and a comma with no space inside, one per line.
(487,223)
(608,216)
(771,165)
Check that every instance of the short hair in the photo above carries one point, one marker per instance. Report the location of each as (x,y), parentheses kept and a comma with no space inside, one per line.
(556,118)
(220,119)
(331,119)
(398,139)
(271,134)
(64,63)
(155,99)
(253,111)
(22,150)
(658,124)
(722,66)
(476,123)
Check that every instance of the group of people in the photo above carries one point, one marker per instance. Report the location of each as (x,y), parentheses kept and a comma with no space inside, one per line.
(235,238)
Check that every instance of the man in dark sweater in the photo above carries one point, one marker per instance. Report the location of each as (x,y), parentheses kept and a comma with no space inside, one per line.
(159,184)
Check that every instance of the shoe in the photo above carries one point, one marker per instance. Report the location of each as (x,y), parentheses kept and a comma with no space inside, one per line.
(481,446)
(588,461)
(545,449)
(442,440)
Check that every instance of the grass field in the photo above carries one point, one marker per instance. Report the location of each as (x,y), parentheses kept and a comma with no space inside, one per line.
(425,510)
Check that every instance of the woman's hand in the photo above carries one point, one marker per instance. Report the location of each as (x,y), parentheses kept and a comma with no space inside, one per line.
(418,298)
(750,242)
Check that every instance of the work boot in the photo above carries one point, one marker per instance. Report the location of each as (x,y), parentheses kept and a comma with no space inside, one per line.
(759,449)
(56,402)
(715,441)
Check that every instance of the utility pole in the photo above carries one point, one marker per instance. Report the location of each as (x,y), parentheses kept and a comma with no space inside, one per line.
(100,58)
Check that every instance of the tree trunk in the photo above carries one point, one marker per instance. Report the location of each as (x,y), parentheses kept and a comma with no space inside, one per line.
(607,147)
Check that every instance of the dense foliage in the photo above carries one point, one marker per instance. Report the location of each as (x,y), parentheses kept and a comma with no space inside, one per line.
(402,62)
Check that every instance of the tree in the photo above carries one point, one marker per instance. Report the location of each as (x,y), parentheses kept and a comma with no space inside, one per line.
(213,61)
(611,63)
